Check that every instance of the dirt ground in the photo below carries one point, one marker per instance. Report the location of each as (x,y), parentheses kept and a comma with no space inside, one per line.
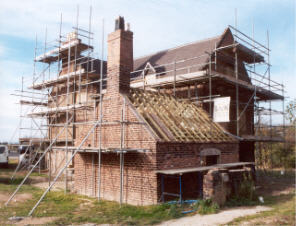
(58,186)
(34,221)
(17,198)
(275,185)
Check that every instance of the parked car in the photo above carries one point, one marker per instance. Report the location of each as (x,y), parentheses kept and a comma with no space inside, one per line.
(4,156)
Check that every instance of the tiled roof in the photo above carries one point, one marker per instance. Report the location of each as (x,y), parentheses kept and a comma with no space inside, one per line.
(178,54)
(194,57)
(176,120)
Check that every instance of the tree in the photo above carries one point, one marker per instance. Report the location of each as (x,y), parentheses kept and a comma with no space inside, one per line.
(291,111)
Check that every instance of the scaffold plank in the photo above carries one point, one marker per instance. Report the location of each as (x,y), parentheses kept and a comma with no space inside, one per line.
(53,55)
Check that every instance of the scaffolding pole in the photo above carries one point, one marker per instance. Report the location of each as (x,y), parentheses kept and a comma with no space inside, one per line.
(236,95)
(101,113)
(36,164)
(122,138)
(65,166)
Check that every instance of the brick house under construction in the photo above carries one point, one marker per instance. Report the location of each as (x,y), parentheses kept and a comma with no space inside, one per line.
(146,131)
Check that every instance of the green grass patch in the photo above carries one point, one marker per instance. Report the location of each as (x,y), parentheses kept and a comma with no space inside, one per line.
(206,207)
(10,186)
(9,172)
(6,171)
(73,208)
(37,174)
(107,212)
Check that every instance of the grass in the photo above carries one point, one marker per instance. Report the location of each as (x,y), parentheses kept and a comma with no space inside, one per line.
(282,212)
(104,212)
(206,207)
(73,208)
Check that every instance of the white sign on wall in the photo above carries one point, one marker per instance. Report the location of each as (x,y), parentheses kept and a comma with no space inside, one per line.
(221,109)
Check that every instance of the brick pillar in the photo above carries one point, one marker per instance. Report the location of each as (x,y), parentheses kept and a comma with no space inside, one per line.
(120,59)
(215,186)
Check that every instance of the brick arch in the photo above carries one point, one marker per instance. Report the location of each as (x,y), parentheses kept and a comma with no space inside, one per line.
(210,151)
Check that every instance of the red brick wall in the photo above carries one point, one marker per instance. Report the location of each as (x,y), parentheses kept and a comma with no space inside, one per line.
(57,160)
(140,182)
(182,155)
(120,61)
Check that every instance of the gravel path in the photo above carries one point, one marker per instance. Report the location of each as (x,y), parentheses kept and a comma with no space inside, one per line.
(222,217)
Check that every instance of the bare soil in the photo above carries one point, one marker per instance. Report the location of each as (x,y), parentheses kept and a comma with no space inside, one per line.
(17,198)
(35,221)
(58,186)
(274,186)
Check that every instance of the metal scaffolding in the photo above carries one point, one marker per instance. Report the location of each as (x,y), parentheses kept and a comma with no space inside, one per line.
(65,96)
(263,90)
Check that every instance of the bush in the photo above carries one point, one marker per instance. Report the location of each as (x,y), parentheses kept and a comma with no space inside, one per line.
(279,155)
(247,188)
(245,195)
(206,207)
(175,211)
(283,156)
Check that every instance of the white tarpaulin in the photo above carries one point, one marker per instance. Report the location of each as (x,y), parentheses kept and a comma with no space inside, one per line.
(221,109)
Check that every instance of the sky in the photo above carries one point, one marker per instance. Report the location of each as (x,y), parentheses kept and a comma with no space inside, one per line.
(157,25)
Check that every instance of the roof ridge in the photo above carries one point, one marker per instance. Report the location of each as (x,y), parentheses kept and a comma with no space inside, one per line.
(180,46)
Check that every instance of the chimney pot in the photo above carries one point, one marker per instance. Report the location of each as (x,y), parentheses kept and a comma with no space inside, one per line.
(119,23)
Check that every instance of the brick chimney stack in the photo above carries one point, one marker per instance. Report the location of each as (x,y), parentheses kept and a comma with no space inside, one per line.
(120,59)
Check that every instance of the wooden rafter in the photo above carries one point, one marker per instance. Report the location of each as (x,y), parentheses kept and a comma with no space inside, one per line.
(176,120)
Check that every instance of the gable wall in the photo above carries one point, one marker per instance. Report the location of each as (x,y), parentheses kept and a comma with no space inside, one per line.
(140,183)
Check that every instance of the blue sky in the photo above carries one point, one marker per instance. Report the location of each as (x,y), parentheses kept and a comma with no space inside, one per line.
(157,25)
